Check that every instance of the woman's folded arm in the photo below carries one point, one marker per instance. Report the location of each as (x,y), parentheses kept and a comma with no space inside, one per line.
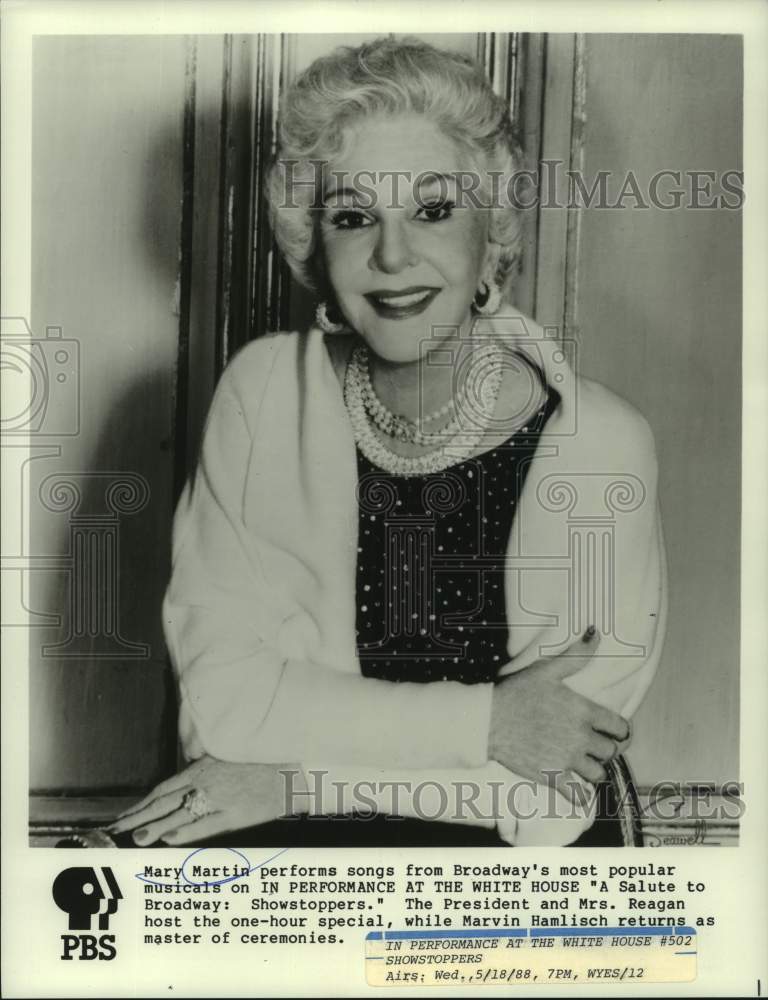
(242,699)
(253,706)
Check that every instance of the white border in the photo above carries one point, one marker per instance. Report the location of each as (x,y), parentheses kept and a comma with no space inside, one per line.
(731,952)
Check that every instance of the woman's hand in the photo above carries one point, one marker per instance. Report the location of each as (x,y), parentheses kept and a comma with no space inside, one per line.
(540,727)
(239,795)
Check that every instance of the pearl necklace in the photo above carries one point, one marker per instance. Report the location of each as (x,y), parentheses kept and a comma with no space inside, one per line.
(399,427)
(463,436)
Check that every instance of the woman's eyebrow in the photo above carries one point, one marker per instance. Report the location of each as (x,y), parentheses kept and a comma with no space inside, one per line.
(421,185)
(422,179)
(335,192)
(433,176)
(435,179)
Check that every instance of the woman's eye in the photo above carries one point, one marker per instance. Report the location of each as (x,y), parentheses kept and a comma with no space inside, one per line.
(435,211)
(349,218)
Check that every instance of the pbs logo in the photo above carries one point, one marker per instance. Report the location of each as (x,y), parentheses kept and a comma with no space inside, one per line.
(89,897)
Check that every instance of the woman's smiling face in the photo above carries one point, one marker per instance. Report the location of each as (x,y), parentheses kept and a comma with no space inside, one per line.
(401,262)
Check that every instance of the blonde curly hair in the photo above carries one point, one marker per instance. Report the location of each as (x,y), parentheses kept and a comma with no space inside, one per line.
(388,76)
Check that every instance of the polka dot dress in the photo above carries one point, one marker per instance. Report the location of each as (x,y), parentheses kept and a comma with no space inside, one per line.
(430,563)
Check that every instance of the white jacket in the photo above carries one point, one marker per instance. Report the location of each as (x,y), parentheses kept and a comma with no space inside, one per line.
(260,611)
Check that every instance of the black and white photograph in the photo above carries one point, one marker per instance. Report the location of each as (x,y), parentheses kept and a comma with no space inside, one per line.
(432,342)
(380,468)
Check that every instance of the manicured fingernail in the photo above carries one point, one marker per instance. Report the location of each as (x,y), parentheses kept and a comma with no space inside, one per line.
(140,836)
(590,633)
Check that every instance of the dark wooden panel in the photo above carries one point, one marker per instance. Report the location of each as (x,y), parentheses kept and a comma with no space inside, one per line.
(556,125)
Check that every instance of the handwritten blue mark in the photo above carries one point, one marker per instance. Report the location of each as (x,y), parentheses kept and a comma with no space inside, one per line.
(243,863)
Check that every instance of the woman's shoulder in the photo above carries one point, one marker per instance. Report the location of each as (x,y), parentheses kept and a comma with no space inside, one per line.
(251,369)
(285,359)
(596,413)
(607,405)
(258,353)
(619,426)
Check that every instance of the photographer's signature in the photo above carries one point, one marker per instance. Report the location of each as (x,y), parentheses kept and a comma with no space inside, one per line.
(696,835)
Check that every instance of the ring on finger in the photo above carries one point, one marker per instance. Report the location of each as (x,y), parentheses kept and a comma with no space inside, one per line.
(196,803)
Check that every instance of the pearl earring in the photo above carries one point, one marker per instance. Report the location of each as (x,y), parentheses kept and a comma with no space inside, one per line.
(487,302)
(325,323)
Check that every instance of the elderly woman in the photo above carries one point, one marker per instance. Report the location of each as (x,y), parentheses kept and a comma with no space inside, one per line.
(419,571)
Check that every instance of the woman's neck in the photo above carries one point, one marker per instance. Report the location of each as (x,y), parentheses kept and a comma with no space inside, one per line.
(416,388)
